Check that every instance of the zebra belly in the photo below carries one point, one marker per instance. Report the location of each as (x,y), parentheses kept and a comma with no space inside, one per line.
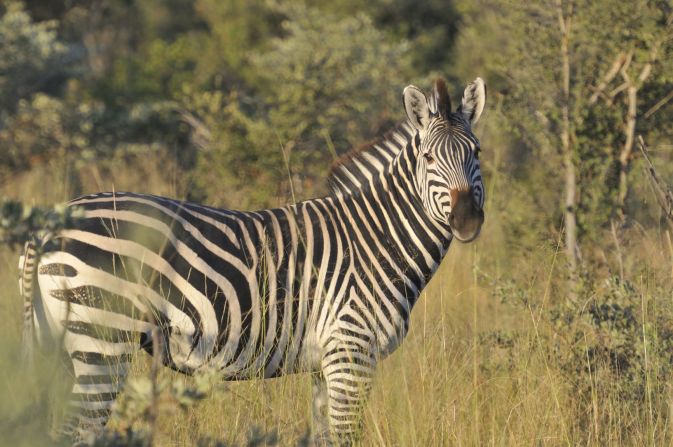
(104,308)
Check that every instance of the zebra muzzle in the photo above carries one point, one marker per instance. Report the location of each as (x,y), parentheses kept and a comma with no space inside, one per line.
(466,215)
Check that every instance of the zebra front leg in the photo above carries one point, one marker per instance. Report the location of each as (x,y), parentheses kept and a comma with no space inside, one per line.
(348,370)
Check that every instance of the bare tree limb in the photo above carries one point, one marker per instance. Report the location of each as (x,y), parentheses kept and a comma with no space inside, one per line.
(609,76)
(620,88)
(201,135)
(626,65)
(661,190)
(662,102)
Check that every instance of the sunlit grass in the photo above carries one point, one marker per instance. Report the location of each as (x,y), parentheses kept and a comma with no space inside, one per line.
(480,365)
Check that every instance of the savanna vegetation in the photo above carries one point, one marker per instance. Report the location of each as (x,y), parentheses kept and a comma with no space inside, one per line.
(554,328)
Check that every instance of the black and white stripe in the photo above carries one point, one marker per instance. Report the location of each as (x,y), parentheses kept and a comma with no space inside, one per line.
(363,164)
(323,286)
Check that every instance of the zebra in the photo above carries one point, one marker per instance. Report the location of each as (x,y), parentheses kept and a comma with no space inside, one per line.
(323,286)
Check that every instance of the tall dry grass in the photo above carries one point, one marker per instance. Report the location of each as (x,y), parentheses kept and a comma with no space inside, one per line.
(486,362)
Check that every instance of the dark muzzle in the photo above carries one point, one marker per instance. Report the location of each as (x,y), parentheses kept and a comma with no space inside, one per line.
(466,216)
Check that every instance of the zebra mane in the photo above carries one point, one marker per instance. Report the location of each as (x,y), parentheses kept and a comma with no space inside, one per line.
(358,166)
(354,169)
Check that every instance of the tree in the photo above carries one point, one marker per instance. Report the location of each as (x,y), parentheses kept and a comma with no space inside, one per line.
(30,56)
(321,88)
(559,96)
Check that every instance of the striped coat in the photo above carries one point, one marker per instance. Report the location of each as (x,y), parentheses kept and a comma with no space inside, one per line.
(323,286)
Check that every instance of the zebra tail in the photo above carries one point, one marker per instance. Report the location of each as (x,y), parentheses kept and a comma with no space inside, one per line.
(27,265)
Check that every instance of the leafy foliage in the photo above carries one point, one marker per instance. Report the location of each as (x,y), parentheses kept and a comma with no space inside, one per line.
(613,347)
(320,97)
(31,55)
(20,223)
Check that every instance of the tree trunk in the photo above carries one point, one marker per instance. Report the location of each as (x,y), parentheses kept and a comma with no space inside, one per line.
(627,149)
(570,201)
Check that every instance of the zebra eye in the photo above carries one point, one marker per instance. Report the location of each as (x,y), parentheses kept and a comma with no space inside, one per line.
(429,159)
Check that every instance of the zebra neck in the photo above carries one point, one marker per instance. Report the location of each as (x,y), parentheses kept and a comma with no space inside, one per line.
(412,240)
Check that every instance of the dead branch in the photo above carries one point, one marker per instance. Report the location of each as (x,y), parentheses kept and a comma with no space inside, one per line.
(609,76)
(201,135)
(661,190)
(658,105)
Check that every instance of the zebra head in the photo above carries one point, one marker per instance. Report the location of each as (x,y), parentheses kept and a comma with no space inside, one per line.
(448,177)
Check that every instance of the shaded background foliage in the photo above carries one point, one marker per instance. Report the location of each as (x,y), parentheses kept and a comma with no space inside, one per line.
(245,104)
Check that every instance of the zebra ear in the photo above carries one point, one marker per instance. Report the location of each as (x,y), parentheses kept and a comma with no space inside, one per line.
(474,99)
(416,106)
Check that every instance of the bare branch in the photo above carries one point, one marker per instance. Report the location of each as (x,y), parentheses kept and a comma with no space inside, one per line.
(662,102)
(201,135)
(609,76)
(623,86)
(625,66)
(661,190)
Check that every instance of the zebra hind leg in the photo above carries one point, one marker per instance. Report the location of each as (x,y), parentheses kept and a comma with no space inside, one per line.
(98,331)
(100,369)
